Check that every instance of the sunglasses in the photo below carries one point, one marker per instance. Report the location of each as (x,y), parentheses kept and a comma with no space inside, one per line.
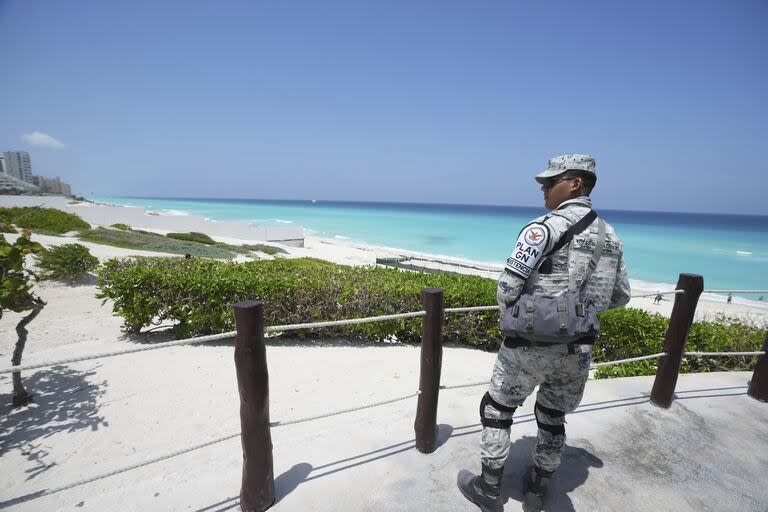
(554,181)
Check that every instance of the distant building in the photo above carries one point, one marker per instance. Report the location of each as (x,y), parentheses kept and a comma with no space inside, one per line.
(52,186)
(17,178)
(18,165)
(11,185)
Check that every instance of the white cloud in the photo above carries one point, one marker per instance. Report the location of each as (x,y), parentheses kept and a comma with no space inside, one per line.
(41,139)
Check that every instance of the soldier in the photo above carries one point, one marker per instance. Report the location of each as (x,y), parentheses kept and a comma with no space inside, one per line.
(573,259)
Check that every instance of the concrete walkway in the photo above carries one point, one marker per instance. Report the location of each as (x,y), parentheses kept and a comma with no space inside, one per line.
(707,452)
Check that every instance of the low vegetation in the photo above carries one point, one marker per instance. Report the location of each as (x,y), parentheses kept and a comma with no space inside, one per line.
(147,241)
(193,237)
(42,220)
(266,249)
(198,296)
(66,262)
(56,222)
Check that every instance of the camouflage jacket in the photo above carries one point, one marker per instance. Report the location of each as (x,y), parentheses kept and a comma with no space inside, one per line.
(608,285)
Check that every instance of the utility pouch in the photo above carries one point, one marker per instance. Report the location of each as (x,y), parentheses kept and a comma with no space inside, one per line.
(563,317)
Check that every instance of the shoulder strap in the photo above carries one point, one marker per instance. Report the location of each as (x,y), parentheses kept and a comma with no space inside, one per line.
(575,229)
(597,252)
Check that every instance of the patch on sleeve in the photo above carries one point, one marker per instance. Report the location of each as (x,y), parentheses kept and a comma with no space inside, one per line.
(529,248)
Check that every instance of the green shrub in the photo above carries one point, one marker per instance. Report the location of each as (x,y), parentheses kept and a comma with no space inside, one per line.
(198,294)
(68,261)
(193,237)
(629,332)
(122,227)
(43,220)
(147,241)
(267,249)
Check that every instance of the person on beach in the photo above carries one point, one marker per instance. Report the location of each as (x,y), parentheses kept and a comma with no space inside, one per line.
(658,298)
(565,267)
(730,298)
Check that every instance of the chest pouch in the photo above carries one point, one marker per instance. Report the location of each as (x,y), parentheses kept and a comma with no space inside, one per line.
(562,317)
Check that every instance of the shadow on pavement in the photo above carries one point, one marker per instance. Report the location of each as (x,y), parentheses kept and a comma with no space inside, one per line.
(64,400)
(290,480)
(573,472)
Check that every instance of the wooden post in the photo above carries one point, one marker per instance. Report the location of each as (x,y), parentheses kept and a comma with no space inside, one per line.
(431,363)
(257,492)
(758,388)
(674,341)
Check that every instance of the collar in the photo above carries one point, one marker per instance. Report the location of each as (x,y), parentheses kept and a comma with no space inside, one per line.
(580,201)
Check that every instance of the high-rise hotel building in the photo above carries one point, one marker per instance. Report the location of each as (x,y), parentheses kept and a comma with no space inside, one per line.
(18,165)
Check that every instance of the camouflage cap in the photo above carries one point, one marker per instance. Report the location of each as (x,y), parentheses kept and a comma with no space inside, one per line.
(560,164)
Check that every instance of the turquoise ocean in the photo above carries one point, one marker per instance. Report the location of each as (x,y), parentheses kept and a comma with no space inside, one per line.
(730,251)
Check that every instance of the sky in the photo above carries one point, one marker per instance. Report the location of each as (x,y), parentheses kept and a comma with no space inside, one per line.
(438,101)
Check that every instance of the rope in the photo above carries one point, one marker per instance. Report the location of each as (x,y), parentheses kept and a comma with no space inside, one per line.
(758,353)
(84,481)
(658,293)
(336,413)
(33,210)
(290,327)
(631,359)
(465,385)
(189,341)
(472,308)
(736,291)
(204,339)
(314,325)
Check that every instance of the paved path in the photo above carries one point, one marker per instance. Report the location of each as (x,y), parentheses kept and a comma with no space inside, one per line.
(707,452)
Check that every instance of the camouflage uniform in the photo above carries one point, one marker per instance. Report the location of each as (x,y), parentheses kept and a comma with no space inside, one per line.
(560,370)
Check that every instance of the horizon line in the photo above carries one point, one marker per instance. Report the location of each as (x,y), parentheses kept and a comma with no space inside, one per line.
(346,201)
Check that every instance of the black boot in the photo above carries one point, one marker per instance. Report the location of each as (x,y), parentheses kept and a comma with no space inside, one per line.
(483,490)
(535,488)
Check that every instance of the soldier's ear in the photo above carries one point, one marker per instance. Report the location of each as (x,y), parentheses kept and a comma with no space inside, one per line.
(577,185)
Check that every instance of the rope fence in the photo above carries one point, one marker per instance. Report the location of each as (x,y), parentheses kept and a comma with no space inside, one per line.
(471,309)
(726,354)
(250,362)
(169,344)
(114,472)
(294,327)
(351,321)
(343,411)
(674,292)
(735,291)
(629,360)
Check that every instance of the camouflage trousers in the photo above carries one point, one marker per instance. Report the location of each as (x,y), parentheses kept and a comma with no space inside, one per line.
(561,378)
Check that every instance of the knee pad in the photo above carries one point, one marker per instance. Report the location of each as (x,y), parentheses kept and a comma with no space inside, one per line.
(497,422)
(555,418)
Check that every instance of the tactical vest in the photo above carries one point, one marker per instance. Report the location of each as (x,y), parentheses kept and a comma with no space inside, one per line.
(565,316)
